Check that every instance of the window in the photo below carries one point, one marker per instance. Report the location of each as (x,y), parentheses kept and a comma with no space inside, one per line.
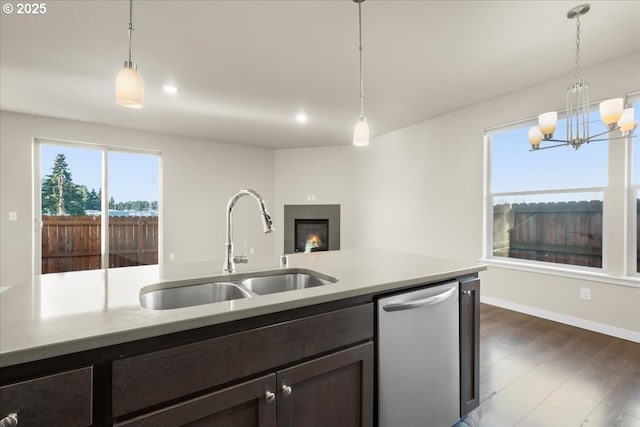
(546,206)
(98,207)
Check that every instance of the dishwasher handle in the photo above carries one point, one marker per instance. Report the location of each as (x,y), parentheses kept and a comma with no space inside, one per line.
(420,302)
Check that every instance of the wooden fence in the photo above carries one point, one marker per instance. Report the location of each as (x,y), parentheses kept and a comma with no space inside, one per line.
(71,243)
(564,232)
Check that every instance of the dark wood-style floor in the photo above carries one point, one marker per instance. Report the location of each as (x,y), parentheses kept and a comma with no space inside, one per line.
(539,373)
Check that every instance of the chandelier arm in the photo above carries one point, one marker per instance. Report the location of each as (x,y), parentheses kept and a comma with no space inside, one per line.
(550,146)
(564,141)
(614,138)
(602,133)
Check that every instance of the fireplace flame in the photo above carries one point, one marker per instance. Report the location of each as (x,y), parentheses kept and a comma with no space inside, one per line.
(313,241)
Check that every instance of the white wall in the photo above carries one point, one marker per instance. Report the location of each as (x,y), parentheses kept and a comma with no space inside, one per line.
(326,173)
(420,189)
(199,177)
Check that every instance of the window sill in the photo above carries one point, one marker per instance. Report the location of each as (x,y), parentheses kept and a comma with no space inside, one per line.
(593,275)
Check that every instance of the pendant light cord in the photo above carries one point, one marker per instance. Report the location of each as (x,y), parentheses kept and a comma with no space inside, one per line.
(360,50)
(131,29)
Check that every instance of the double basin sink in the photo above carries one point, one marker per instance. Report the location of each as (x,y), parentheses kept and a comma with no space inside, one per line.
(187,293)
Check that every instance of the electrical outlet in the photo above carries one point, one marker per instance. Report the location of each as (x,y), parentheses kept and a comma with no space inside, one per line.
(13,216)
(172,256)
(585,293)
(251,251)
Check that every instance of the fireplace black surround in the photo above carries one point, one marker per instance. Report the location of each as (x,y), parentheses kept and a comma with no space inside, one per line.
(311,235)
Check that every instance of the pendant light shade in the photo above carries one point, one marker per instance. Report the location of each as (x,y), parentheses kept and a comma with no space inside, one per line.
(361,130)
(361,133)
(129,86)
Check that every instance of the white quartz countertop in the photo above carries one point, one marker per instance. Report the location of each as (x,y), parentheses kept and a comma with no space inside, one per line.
(55,314)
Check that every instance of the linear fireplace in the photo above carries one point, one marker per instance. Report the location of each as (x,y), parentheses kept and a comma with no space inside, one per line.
(311,235)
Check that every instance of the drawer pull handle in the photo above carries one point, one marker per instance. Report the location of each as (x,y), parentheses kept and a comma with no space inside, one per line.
(466,292)
(286,390)
(11,420)
(268,396)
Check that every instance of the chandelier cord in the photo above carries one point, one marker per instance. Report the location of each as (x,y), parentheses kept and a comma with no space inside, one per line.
(577,72)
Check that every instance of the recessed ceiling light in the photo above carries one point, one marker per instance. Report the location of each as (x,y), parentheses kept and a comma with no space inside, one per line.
(170,89)
(301,117)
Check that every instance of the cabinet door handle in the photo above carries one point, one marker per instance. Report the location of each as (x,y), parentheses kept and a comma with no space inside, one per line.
(286,390)
(11,420)
(269,396)
(466,292)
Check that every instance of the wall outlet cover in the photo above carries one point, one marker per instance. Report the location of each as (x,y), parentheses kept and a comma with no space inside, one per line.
(585,293)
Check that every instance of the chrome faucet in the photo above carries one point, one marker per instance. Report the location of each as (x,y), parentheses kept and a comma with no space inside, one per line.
(229,259)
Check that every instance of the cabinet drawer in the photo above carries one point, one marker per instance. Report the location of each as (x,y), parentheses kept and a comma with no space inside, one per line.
(238,406)
(62,399)
(149,379)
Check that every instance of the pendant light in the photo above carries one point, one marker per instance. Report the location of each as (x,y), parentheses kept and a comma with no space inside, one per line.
(361,131)
(129,87)
(612,111)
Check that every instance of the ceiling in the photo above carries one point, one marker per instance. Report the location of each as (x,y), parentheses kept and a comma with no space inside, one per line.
(245,68)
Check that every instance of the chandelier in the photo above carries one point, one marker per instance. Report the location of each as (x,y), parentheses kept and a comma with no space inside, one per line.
(612,111)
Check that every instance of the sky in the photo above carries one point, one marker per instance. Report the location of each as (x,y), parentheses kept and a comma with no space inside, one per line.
(132,176)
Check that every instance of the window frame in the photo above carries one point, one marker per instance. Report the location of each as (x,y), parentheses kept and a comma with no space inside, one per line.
(104,219)
(631,195)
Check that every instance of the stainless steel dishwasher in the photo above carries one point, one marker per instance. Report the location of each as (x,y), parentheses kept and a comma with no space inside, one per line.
(418,358)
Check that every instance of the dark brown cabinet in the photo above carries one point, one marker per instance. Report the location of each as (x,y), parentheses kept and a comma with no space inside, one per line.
(249,404)
(469,344)
(335,390)
(62,399)
(314,369)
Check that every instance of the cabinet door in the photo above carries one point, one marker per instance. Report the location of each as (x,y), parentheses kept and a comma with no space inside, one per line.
(469,345)
(62,399)
(335,390)
(245,405)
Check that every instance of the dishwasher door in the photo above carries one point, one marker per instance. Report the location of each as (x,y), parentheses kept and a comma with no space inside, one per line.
(418,358)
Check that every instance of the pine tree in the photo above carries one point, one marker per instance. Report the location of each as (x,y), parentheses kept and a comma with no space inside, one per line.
(60,196)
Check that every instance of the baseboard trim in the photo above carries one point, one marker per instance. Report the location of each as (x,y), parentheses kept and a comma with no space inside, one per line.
(602,328)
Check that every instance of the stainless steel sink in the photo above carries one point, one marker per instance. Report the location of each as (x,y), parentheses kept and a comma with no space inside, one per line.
(187,296)
(187,293)
(282,282)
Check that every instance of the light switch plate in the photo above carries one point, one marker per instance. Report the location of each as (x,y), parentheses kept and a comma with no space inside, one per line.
(585,294)
(13,216)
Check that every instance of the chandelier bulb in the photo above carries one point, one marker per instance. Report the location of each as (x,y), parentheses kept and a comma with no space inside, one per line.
(548,123)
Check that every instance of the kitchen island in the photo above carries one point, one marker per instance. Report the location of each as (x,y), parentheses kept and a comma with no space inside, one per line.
(89,327)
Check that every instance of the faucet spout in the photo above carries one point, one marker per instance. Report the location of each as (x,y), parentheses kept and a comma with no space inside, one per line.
(229,259)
